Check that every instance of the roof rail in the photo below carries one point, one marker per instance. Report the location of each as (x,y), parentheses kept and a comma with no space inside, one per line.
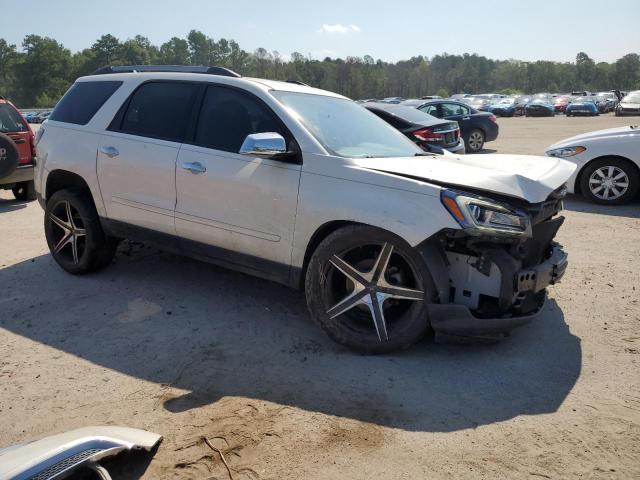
(297,82)
(225,72)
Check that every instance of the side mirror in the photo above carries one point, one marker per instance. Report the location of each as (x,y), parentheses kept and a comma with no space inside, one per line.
(265,145)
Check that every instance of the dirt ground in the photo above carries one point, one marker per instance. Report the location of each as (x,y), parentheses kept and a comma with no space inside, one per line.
(188,350)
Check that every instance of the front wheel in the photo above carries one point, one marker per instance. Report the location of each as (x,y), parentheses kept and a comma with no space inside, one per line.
(610,181)
(474,141)
(25,191)
(368,290)
(74,234)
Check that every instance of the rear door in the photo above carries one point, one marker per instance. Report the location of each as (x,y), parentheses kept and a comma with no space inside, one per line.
(243,206)
(458,112)
(137,156)
(13,125)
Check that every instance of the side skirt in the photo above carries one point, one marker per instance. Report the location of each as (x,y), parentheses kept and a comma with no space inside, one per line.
(251,265)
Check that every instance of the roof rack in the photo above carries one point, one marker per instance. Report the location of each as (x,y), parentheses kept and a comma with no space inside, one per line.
(297,82)
(225,72)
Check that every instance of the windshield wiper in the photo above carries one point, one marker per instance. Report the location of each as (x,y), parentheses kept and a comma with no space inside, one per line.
(424,154)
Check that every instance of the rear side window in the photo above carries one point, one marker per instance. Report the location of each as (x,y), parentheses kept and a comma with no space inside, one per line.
(228,116)
(450,109)
(10,121)
(82,101)
(430,109)
(160,110)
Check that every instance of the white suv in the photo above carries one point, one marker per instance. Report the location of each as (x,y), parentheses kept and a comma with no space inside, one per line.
(303,187)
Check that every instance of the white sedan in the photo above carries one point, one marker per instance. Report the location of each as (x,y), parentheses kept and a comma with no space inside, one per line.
(608,164)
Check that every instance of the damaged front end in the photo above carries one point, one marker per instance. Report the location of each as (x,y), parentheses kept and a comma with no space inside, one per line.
(491,274)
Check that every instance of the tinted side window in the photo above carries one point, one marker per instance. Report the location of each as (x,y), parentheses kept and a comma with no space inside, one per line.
(10,121)
(450,109)
(160,110)
(430,109)
(228,116)
(82,101)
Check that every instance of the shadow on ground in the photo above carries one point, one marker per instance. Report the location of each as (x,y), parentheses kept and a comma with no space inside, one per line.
(11,205)
(577,203)
(216,333)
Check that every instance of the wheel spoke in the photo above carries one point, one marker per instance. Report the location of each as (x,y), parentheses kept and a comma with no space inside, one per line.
(598,189)
(59,222)
(595,181)
(346,304)
(67,207)
(401,293)
(610,172)
(616,192)
(80,232)
(606,193)
(350,272)
(378,318)
(74,248)
(621,184)
(382,262)
(600,172)
(64,241)
(620,175)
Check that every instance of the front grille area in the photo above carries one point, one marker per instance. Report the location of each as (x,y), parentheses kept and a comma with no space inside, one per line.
(61,466)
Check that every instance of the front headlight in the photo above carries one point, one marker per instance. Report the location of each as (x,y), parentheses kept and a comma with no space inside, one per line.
(483,216)
(565,152)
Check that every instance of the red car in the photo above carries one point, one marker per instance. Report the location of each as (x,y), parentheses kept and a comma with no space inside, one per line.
(17,152)
(560,104)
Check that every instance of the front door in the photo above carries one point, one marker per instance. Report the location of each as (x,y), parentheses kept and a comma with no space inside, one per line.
(240,209)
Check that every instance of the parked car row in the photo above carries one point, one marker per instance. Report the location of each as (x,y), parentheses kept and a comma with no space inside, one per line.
(36,117)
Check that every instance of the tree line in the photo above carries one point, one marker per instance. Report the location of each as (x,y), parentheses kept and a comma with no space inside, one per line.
(38,74)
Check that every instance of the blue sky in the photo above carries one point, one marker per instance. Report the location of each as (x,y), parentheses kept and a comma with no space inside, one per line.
(391,30)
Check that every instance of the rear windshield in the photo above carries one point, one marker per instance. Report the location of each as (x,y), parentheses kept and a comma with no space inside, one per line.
(10,121)
(82,101)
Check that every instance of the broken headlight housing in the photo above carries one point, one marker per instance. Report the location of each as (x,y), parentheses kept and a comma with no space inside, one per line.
(481,215)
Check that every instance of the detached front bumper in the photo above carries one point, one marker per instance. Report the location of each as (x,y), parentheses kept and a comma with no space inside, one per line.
(458,320)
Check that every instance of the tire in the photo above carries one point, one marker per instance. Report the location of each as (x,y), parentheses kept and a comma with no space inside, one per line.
(79,246)
(9,155)
(474,141)
(404,322)
(25,191)
(591,179)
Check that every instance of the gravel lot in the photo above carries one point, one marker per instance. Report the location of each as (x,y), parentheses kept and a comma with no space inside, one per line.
(188,350)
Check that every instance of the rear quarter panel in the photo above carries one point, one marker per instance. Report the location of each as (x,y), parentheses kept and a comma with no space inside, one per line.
(63,147)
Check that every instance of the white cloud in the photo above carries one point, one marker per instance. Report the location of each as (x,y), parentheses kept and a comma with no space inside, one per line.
(338,28)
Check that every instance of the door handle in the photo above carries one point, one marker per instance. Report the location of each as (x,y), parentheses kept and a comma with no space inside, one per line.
(194,167)
(110,151)
(18,141)
(466,118)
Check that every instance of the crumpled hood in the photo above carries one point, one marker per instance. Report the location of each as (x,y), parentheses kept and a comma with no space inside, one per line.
(526,177)
(598,134)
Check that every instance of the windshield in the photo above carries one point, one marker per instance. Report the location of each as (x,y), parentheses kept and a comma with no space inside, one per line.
(632,98)
(345,128)
(506,101)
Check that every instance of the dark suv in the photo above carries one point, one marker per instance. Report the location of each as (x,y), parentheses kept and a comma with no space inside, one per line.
(17,152)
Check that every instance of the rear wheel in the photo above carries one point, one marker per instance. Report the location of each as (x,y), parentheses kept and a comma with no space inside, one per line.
(25,191)
(74,235)
(610,181)
(474,141)
(368,290)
